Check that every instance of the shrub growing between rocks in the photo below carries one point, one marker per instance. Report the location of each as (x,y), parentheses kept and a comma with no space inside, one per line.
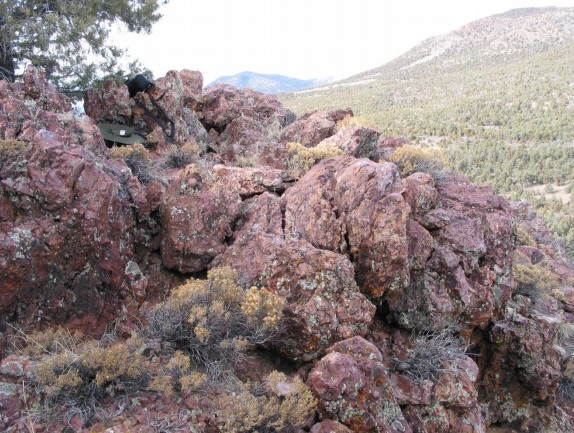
(350,121)
(273,406)
(138,159)
(177,157)
(215,320)
(79,375)
(301,158)
(10,150)
(429,352)
(533,280)
(412,159)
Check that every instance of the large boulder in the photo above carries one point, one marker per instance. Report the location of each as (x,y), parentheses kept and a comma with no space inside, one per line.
(460,248)
(197,214)
(66,235)
(354,207)
(351,384)
(311,128)
(322,302)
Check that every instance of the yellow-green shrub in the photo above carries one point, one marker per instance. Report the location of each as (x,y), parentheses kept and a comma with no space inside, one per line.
(138,159)
(350,121)
(523,237)
(214,321)
(279,404)
(301,158)
(78,375)
(10,150)
(181,156)
(411,159)
(533,280)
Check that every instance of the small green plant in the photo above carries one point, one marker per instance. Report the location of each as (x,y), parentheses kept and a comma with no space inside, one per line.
(138,159)
(429,351)
(10,151)
(273,406)
(412,159)
(214,321)
(301,158)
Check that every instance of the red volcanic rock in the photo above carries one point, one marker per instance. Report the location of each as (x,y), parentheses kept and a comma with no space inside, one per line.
(438,419)
(192,89)
(329,426)
(312,128)
(322,301)
(351,384)
(110,103)
(29,108)
(47,96)
(523,364)
(66,235)
(354,207)
(252,181)
(222,103)
(196,216)
(357,141)
(467,276)
(179,94)
(260,213)
(250,142)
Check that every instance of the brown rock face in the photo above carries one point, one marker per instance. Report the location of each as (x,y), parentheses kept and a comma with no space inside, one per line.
(351,385)
(322,301)
(354,207)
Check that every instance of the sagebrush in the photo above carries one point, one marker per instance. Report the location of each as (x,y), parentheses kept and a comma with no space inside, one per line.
(412,159)
(137,158)
(301,158)
(215,320)
(10,151)
(275,405)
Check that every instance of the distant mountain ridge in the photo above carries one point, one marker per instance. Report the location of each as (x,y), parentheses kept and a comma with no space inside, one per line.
(497,39)
(267,83)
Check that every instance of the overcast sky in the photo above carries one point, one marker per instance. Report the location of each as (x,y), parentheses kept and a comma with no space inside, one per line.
(300,38)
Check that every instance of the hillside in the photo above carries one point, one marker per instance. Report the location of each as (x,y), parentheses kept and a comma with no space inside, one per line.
(479,92)
(265,83)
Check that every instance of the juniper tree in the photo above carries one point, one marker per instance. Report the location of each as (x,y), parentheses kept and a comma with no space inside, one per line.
(68,39)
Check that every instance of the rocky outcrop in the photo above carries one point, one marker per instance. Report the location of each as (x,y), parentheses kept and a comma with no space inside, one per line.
(367,262)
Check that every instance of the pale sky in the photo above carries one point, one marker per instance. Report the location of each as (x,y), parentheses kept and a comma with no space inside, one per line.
(300,38)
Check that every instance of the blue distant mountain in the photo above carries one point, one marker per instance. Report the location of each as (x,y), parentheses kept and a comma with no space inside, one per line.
(266,83)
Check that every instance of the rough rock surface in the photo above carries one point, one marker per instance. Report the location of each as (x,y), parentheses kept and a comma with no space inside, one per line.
(196,217)
(357,141)
(351,383)
(354,207)
(466,277)
(322,301)
(84,242)
(310,129)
